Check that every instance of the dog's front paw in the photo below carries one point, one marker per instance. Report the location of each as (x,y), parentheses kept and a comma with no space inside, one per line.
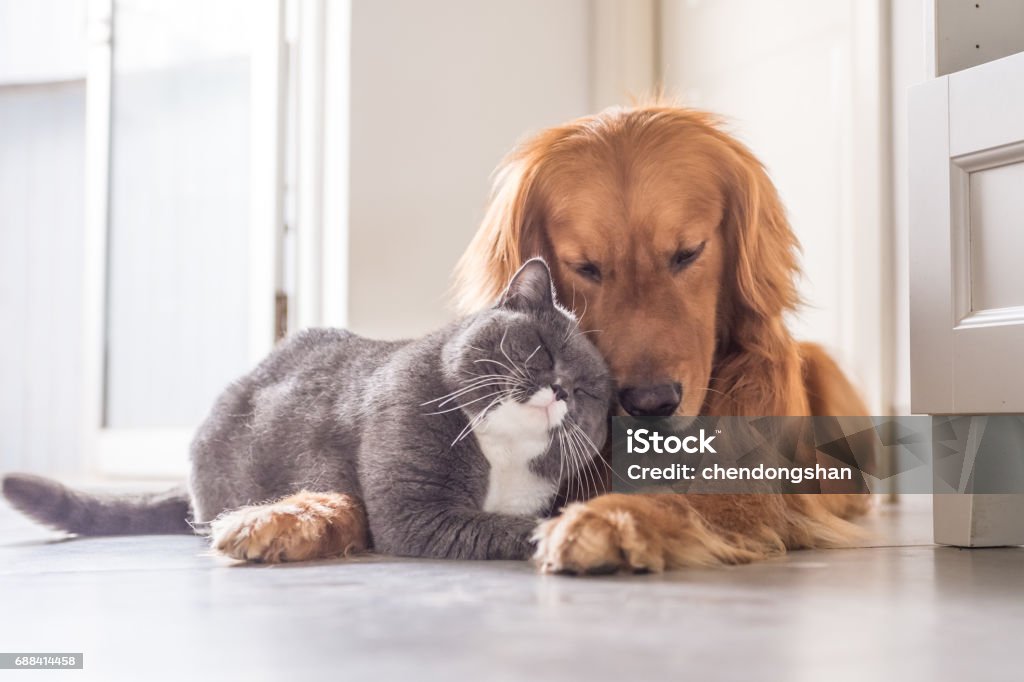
(298,528)
(646,533)
(589,540)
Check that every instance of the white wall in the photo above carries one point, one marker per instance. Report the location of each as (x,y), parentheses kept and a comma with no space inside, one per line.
(440,90)
(794,80)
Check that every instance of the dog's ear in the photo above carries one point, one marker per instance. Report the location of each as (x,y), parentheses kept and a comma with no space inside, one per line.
(760,238)
(530,288)
(512,228)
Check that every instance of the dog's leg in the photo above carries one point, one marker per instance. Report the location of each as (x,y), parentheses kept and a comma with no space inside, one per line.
(299,527)
(644,533)
(640,533)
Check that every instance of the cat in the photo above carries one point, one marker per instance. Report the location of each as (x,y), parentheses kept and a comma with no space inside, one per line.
(448,446)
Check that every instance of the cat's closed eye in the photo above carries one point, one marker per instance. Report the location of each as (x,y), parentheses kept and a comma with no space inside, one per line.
(540,359)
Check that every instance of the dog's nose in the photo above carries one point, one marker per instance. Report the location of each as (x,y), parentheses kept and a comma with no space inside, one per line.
(657,400)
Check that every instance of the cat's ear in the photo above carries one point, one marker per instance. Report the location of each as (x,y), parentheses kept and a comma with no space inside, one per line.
(530,288)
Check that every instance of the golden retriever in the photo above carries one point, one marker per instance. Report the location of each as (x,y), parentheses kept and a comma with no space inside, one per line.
(667,235)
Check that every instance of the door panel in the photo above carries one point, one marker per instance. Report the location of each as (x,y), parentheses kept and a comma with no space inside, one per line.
(996,238)
(985,105)
(967,233)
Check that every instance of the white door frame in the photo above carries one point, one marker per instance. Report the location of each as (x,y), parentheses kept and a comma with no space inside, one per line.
(319,34)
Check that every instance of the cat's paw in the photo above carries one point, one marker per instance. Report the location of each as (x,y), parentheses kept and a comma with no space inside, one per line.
(297,528)
(593,541)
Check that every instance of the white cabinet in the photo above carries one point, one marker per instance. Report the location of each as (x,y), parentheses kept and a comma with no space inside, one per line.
(966,146)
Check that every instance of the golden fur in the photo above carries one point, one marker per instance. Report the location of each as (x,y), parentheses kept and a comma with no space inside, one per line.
(299,527)
(621,194)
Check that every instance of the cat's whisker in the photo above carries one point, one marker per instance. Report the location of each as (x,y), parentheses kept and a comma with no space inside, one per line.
(575,323)
(583,441)
(571,454)
(500,395)
(511,379)
(561,460)
(482,380)
(462,391)
(579,429)
(581,492)
(598,454)
(466,387)
(583,437)
(585,461)
(468,428)
(472,376)
(566,455)
(576,480)
(478,387)
(515,372)
(501,347)
(476,421)
(595,472)
(584,332)
(462,405)
(586,473)
(573,480)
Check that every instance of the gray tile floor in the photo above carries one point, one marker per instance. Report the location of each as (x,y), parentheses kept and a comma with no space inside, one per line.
(159,608)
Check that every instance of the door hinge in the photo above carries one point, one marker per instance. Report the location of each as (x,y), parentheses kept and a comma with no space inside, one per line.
(280,316)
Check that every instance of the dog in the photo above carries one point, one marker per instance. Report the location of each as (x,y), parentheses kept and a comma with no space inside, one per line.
(669,241)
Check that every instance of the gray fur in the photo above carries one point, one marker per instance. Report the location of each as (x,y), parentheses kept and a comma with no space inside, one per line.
(330,411)
(54,504)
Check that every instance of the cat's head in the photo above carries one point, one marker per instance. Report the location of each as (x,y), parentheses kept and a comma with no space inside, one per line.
(524,365)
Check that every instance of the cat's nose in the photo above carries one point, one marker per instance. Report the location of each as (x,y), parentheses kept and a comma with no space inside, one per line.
(651,400)
(560,392)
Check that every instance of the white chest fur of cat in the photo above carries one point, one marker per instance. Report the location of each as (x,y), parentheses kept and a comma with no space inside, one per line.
(511,437)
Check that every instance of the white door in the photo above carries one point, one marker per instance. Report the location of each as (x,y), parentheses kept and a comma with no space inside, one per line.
(183,218)
(966,143)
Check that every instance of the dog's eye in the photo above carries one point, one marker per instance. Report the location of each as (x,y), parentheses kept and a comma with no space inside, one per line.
(588,270)
(683,257)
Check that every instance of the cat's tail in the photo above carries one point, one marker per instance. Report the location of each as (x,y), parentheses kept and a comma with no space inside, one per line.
(54,504)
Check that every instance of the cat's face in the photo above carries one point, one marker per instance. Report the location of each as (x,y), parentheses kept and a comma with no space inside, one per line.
(527,373)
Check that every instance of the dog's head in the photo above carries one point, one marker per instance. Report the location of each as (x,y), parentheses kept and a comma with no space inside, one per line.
(664,234)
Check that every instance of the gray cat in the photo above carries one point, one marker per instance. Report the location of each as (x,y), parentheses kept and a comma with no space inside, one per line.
(448,446)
